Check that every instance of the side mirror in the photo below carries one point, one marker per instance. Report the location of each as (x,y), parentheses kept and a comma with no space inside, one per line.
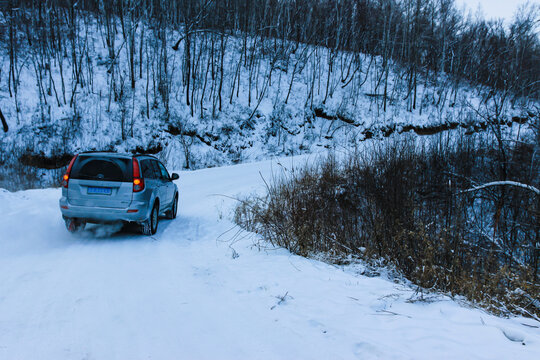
(175,176)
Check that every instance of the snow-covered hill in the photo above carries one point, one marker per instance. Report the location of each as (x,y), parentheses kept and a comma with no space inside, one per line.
(238,98)
(191,293)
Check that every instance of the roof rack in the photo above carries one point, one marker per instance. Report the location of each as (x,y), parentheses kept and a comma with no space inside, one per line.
(97,151)
(150,155)
(118,153)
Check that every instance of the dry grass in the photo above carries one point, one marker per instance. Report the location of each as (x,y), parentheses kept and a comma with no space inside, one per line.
(403,204)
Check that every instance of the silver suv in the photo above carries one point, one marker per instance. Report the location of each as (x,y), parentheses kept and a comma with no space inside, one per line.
(101,187)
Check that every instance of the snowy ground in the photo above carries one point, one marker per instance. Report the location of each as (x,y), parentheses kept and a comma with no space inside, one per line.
(183,295)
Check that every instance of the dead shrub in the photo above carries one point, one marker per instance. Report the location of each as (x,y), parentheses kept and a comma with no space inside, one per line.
(404,202)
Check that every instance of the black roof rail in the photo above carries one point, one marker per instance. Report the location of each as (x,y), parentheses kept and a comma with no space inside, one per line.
(98,151)
(147,155)
(118,153)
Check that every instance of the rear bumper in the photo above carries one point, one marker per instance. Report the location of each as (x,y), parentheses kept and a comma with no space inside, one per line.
(102,214)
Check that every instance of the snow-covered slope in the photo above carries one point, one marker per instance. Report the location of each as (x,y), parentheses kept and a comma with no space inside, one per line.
(186,294)
(272,100)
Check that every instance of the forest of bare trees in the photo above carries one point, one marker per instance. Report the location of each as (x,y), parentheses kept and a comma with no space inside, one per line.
(71,68)
(425,37)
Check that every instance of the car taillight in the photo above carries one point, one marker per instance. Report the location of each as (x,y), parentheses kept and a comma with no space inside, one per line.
(65,178)
(138,181)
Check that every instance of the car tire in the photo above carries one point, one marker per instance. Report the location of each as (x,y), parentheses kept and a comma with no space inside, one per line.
(171,214)
(149,226)
(74,225)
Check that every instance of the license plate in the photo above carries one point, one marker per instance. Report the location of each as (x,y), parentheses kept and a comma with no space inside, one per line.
(99,190)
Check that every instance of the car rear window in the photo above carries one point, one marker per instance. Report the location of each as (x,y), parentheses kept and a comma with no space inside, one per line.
(102,168)
(164,172)
(148,170)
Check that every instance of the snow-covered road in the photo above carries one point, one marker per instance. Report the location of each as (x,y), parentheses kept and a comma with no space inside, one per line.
(183,295)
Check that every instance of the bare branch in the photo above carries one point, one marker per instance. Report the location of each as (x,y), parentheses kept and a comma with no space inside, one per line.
(503,183)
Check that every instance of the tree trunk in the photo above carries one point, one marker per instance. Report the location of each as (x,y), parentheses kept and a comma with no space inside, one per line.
(4,123)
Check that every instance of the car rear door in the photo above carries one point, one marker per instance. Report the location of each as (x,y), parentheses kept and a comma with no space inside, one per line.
(101,181)
(161,190)
(165,195)
(167,183)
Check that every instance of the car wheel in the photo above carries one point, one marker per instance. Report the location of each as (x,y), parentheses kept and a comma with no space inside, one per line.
(74,225)
(171,214)
(149,227)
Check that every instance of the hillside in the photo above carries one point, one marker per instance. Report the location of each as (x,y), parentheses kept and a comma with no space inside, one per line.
(82,80)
